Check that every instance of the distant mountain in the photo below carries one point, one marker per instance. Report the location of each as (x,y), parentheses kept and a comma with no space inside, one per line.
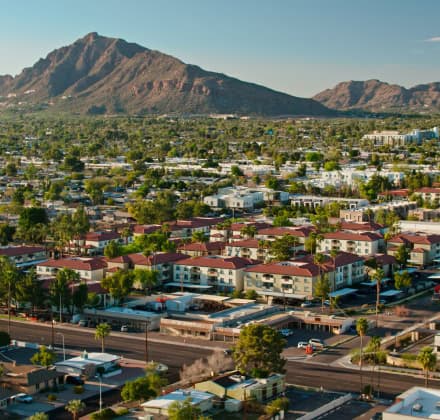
(374,95)
(97,74)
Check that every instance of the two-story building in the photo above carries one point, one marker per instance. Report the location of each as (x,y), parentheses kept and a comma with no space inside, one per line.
(247,248)
(89,269)
(24,256)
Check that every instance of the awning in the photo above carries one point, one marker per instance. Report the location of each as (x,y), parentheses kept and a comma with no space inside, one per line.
(434,276)
(342,292)
(391,293)
(409,270)
(189,285)
(280,294)
(373,283)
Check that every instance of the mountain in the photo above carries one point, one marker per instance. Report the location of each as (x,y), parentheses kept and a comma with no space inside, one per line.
(374,95)
(97,74)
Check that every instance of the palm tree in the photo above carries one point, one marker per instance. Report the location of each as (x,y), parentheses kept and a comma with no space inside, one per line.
(378,276)
(75,407)
(146,278)
(428,359)
(38,416)
(102,331)
(8,284)
(249,231)
(199,236)
(361,328)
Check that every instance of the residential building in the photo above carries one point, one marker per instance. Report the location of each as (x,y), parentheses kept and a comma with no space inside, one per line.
(313,201)
(424,249)
(221,273)
(429,194)
(367,243)
(24,256)
(93,243)
(89,269)
(160,405)
(247,248)
(239,198)
(200,249)
(394,138)
(242,387)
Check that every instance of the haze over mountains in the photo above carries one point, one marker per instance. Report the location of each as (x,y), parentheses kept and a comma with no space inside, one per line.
(374,95)
(97,74)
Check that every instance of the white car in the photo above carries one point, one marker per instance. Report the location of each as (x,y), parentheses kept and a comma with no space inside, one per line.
(124,328)
(24,398)
(302,344)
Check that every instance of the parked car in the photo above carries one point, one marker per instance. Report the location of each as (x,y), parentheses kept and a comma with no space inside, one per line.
(227,352)
(124,328)
(24,398)
(316,342)
(285,332)
(82,323)
(74,380)
(302,344)
(307,304)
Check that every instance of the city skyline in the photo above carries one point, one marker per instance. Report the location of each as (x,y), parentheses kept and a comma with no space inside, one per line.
(297,47)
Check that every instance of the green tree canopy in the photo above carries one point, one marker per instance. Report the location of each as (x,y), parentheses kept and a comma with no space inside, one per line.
(102,331)
(183,410)
(258,350)
(119,284)
(44,357)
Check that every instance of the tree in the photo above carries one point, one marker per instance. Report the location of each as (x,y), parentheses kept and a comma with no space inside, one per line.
(143,388)
(44,357)
(30,290)
(402,255)
(5,339)
(183,410)
(201,369)
(31,222)
(146,278)
(402,280)
(112,250)
(428,360)
(258,350)
(119,284)
(282,248)
(6,233)
(199,236)
(80,221)
(361,328)
(80,296)
(377,275)
(102,331)
(277,405)
(9,278)
(248,231)
(38,416)
(322,288)
(251,294)
(75,407)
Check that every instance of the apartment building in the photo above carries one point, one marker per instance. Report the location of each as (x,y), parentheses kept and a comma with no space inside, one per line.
(367,243)
(24,256)
(89,269)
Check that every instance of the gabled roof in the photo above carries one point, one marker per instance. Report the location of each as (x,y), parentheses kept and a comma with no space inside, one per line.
(428,190)
(287,268)
(145,229)
(195,222)
(89,264)
(246,243)
(232,263)
(415,239)
(302,232)
(202,246)
(346,236)
(157,258)
(258,225)
(361,227)
(101,236)
(343,258)
(15,251)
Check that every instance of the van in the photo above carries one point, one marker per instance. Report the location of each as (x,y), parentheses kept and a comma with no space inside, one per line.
(124,328)
(316,342)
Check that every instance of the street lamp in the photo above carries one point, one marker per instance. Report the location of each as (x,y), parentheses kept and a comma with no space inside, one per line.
(147,322)
(64,348)
(100,391)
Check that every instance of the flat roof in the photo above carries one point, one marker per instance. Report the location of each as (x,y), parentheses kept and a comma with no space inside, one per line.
(211,298)
(390,293)
(164,401)
(417,402)
(279,294)
(342,292)
(188,285)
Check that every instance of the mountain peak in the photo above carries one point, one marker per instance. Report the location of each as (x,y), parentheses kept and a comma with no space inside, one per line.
(109,75)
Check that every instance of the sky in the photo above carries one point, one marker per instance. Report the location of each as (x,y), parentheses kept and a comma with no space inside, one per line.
(300,47)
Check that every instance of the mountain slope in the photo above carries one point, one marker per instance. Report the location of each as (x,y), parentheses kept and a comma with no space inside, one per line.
(374,95)
(102,74)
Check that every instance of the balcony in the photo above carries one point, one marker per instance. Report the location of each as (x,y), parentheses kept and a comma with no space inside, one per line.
(212,272)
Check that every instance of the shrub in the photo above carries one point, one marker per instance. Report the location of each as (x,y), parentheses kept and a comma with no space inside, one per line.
(52,397)
(78,389)
(122,411)
(105,414)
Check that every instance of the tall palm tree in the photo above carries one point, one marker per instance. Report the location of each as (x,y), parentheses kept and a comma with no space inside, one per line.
(361,328)
(428,359)
(101,333)
(249,231)
(199,236)
(9,279)
(377,275)
(75,407)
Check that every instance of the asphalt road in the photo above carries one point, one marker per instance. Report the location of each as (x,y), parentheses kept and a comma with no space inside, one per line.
(312,374)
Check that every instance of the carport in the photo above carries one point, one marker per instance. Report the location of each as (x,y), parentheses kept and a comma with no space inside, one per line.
(342,292)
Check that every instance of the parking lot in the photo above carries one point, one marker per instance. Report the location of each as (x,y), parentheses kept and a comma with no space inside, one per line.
(304,336)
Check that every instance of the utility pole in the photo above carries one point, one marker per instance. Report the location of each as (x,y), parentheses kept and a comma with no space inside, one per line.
(61,312)
(52,330)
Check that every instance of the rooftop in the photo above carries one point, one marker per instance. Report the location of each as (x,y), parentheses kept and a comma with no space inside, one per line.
(417,402)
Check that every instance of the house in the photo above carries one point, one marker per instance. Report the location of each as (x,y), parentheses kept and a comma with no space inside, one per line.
(242,387)
(93,243)
(87,363)
(145,229)
(367,243)
(24,256)
(160,405)
(299,234)
(91,269)
(184,229)
(429,194)
(220,273)
(199,249)
(424,249)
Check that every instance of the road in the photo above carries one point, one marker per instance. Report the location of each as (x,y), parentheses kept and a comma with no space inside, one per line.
(315,373)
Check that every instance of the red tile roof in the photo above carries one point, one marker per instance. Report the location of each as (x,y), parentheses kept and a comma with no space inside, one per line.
(202,246)
(145,229)
(361,227)
(246,243)
(343,258)
(346,236)
(101,236)
(90,264)
(157,258)
(14,251)
(303,231)
(415,239)
(428,190)
(395,193)
(259,225)
(195,222)
(232,263)
(383,259)
(286,268)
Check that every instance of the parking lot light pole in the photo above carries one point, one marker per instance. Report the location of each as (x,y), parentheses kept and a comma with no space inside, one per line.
(64,348)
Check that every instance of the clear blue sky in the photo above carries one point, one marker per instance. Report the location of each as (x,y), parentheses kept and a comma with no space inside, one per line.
(296,46)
